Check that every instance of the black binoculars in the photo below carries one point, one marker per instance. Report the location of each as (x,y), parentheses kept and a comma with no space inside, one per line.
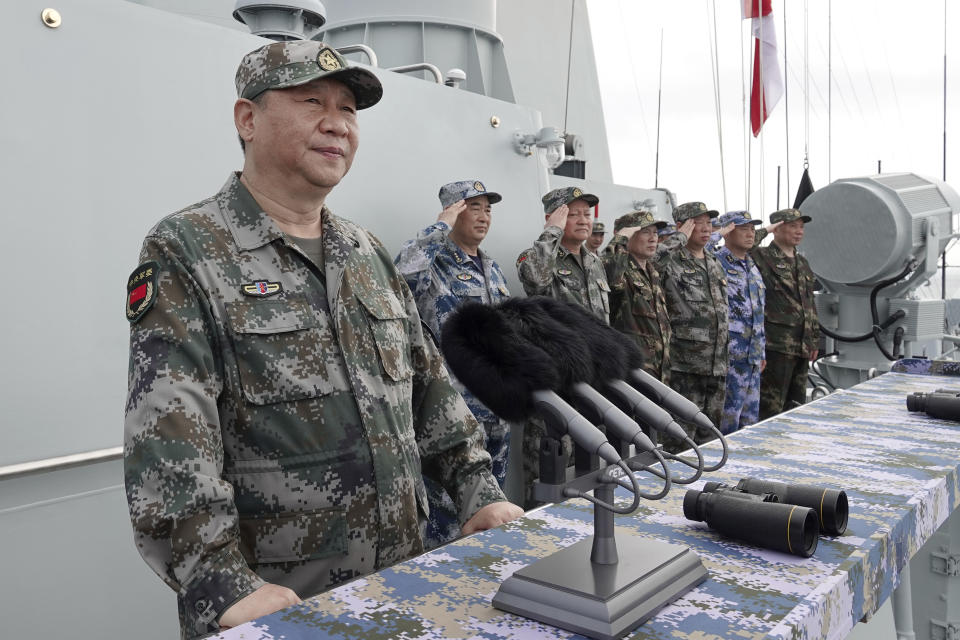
(773,515)
(942,403)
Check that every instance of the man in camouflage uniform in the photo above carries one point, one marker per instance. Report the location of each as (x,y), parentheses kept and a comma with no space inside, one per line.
(696,290)
(283,401)
(792,326)
(745,298)
(595,241)
(445,267)
(558,265)
(637,304)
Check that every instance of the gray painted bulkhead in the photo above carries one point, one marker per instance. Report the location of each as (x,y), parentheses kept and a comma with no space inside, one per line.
(123,115)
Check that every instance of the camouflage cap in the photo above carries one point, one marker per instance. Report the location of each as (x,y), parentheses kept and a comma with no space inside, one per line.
(566,195)
(282,65)
(691,210)
(642,219)
(667,230)
(737,218)
(453,191)
(788,215)
(599,227)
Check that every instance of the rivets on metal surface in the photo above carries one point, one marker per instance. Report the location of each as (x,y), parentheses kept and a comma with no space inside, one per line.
(494,121)
(51,18)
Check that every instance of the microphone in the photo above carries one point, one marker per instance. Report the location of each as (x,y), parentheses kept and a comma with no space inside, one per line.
(670,399)
(579,363)
(514,377)
(616,357)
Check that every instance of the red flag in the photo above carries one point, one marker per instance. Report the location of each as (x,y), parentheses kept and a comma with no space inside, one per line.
(767,87)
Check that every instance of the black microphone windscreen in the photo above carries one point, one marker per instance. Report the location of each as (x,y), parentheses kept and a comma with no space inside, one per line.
(612,352)
(571,355)
(494,362)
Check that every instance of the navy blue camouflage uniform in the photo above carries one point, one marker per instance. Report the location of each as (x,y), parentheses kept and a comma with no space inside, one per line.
(442,276)
(745,302)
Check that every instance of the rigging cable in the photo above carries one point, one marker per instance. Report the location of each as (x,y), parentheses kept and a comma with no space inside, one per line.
(566,103)
(829,91)
(633,73)
(715,69)
(786,101)
(806,85)
(743,114)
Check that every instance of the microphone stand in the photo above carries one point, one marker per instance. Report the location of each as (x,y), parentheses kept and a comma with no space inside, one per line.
(595,587)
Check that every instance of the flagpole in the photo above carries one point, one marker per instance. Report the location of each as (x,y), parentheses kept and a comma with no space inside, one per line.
(656,169)
(943,256)
(786,100)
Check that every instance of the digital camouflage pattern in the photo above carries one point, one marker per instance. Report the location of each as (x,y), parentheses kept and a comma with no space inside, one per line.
(638,309)
(696,294)
(280,433)
(788,215)
(464,189)
(282,65)
(745,302)
(566,195)
(901,472)
(442,277)
(689,210)
(549,269)
(792,326)
(783,383)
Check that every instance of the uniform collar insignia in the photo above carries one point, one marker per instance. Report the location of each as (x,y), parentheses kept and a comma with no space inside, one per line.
(261,289)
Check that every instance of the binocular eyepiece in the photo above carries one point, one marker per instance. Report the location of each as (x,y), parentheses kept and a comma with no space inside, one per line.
(756,519)
(942,403)
(773,515)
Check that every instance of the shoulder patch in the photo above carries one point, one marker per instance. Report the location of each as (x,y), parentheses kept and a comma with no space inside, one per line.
(142,290)
(522,258)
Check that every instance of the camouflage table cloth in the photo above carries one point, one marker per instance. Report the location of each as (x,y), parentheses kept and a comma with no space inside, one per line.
(899,470)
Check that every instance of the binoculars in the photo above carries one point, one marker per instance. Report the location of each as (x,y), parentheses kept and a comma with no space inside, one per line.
(774,515)
(942,403)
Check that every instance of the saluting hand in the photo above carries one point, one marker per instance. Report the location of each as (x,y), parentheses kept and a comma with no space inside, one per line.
(727,228)
(450,214)
(687,227)
(627,232)
(558,218)
(771,227)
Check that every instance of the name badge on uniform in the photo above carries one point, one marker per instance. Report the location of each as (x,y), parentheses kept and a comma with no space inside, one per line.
(464,277)
(564,272)
(732,272)
(691,271)
(261,289)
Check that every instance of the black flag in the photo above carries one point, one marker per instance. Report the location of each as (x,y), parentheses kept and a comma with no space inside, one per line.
(804,190)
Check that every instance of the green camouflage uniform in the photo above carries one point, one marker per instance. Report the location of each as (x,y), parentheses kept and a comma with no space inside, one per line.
(696,296)
(549,269)
(279,413)
(792,326)
(638,307)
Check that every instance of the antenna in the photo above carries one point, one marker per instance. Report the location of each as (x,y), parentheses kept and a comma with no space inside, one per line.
(656,168)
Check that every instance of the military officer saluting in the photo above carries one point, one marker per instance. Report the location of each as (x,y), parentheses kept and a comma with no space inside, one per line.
(445,267)
(283,399)
(595,241)
(695,287)
(637,304)
(558,265)
(745,299)
(792,326)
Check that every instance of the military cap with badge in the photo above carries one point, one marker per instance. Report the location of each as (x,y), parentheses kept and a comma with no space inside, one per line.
(737,218)
(599,227)
(789,215)
(282,65)
(640,218)
(689,210)
(565,195)
(464,190)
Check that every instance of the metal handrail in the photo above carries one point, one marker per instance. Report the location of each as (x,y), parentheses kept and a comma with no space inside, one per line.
(59,463)
(361,48)
(420,66)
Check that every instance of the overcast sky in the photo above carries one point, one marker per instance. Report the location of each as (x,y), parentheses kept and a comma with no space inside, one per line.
(887,101)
